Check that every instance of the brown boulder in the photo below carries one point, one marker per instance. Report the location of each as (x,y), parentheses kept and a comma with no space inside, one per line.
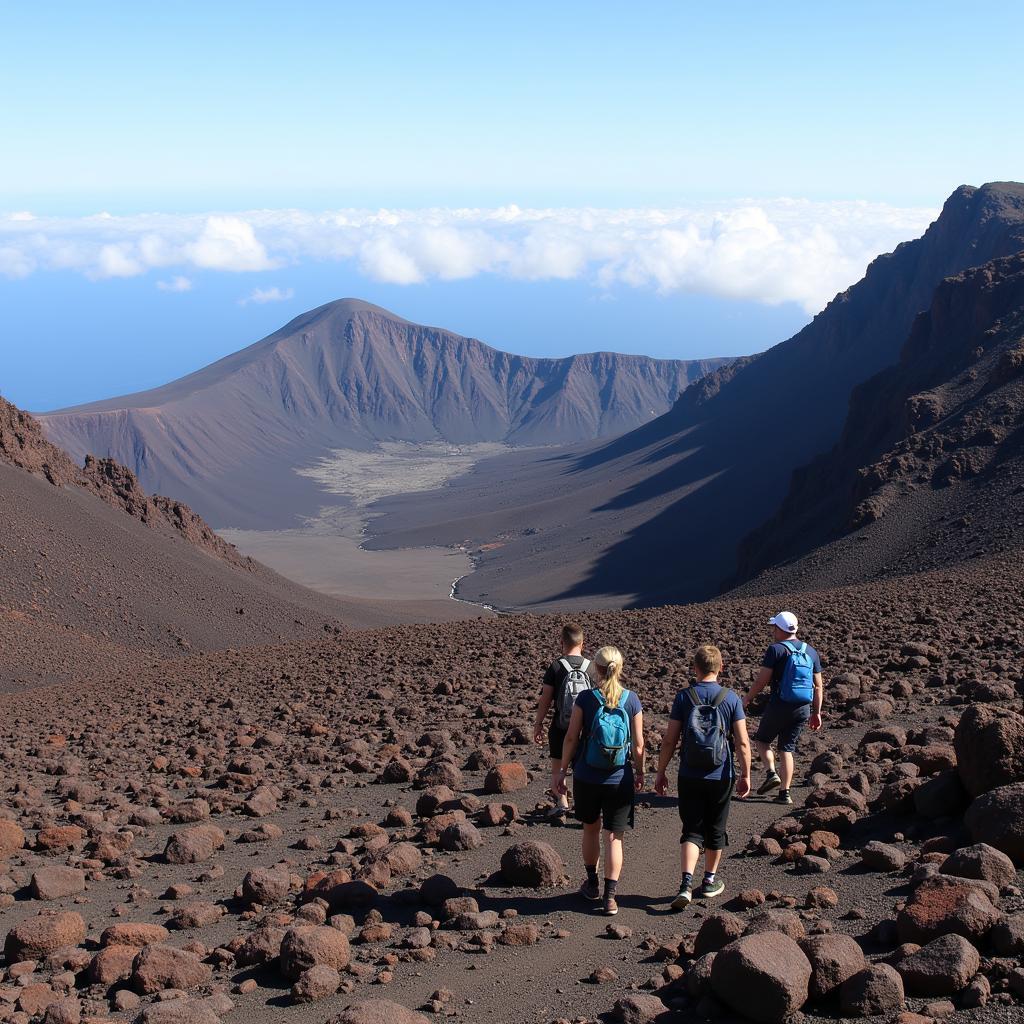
(944,966)
(179,1011)
(158,967)
(989,744)
(937,909)
(59,837)
(192,845)
(833,959)
(112,964)
(506,778)
(306,947)
(266,885)
(37,937)
(57,883)
(377,1011)
(133,934)
(980,861)
(997,818)
(764,977)
(875,990)
(319,982)
(12,838)
(534,865)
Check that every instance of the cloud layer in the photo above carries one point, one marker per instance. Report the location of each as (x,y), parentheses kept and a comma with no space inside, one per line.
(783,250)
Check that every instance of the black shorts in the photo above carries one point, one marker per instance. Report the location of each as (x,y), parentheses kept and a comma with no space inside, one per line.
(556,737)
(704,811)
(784,722)
(613,804)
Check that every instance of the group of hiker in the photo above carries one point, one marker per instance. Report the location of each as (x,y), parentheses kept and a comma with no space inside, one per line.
(596,733)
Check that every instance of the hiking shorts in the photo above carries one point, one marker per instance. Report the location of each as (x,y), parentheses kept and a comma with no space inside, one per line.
(784,722)
(613,804)
(556,737)
(704,812)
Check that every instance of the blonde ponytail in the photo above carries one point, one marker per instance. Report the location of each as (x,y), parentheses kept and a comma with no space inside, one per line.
(609,659)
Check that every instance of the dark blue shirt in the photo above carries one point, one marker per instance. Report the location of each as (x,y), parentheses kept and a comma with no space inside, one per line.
(775,657)
(732,711)
(588,703)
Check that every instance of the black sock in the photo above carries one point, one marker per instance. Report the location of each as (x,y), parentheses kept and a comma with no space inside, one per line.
(591,873)
(687,882)
(610,885)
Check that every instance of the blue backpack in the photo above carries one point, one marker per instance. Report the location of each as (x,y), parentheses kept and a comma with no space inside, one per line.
(705,740)
(608,742)
(796,686)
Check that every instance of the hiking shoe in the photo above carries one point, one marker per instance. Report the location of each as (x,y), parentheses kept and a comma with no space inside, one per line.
(590,890)
(711,889)
(771,781)
(783,797)
(683,898)
(611,908)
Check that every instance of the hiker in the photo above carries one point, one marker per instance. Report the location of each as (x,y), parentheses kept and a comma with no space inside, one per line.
(793,669)
(566,678)
(605,745)
(709,719)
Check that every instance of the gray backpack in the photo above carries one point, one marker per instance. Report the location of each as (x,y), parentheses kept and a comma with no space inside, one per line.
(705,740)
(576,682)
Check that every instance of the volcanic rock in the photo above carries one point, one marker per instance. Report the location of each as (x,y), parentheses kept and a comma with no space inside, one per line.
(989,742)
(37,937)
(158,967)
(764,977)
(997,818)
(506,778)
(876,989)
(944,966)
(306,947)
(833,959)
(535,865)
(193,845)
(56,883)
(980,861)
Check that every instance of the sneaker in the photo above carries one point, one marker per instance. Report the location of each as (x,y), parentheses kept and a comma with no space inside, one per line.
(590,890)
(783,797)
(683,898)
(711,889)
(771,781)
(611,908)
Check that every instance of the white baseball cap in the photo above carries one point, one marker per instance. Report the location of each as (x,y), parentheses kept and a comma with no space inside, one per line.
(786,621)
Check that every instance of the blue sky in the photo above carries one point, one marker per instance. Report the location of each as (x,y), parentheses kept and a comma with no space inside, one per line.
(644,150)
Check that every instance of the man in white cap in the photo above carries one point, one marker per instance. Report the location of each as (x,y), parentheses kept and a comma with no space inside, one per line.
(793,670)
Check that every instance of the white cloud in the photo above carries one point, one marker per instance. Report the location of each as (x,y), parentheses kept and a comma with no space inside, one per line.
(180,283)
(782,250)
(228,243)
(22,215)
(264,295)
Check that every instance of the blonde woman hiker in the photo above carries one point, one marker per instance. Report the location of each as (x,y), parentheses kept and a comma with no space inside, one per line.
(605,746)
(709,719)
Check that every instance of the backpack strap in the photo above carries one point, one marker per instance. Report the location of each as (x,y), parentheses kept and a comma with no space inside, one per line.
(565,664)
(694,699)
(720,696)
(585,665)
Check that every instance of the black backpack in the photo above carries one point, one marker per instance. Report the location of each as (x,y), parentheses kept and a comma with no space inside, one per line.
(705,740)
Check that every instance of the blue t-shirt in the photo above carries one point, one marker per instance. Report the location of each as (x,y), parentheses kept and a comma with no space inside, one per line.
(775,657)
(732,711)
(588,703)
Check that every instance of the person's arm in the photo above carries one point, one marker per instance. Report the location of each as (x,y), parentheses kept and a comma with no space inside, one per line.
(814,722)
(741,744)
(569,744)
(764,677)
(636,728)
(669,742)
(547,695)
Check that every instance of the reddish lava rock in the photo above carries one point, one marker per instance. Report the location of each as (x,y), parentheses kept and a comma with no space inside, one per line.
(506,778)
(192,845)
(980,861)
(158,967)
(37,937)
(874,990)
(535,865)
(377,1011)
(303,948)
(833,959)
(997,818)
(989,742)
(57,883)
(935,910)
(944,966)
(129,934)
(12,838)
(764,977)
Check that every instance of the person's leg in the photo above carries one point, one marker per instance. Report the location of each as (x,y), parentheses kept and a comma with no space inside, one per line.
(561,799)
(767,730)
(717,806)
(691,814)
(786,769)
(612,855)
(766,754)
(592,844)
(788,739)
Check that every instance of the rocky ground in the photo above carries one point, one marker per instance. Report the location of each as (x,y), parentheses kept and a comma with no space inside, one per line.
(352,829)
